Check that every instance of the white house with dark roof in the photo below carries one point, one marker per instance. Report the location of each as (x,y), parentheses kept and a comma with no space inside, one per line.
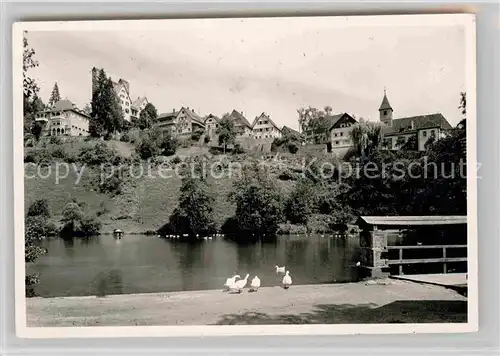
(423,128)
(263,127)
(131,109)
(63,119)
(137,106)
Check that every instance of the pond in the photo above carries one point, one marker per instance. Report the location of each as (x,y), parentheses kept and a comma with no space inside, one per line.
(103,265)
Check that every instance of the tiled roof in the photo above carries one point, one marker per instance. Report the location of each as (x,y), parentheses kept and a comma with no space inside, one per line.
(264,116)
(404,125)
(216,118)
(385,104)
(194,116)
(138,102)
(63,105)
(237,116)
(167,116)
(331,119)
(290,130)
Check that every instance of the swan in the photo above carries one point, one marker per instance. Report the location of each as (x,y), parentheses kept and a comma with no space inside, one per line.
(255,284)
(287,280)
(358,264)
(280,269)
(239,285)
(230,282)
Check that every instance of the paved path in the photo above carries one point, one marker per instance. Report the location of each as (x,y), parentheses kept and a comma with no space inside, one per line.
(387,301)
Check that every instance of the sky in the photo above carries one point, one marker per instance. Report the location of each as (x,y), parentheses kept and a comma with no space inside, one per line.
(267,65)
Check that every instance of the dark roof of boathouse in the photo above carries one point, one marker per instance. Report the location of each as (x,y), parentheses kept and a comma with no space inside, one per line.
(412,220)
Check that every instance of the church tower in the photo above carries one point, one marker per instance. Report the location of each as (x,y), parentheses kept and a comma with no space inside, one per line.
(385,111)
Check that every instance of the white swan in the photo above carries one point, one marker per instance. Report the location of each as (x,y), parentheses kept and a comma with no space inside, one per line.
(239,285)
(280,269)
(358,264)
(230,282)
(255,284)
(287,280)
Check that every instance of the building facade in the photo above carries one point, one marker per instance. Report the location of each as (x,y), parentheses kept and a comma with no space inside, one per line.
(263,128)
(63,119)
(179,123)
(241,124)
(211,124)
(413,133)
(340,131)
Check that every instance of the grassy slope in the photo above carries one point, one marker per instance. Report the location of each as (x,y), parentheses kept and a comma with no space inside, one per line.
(145,203)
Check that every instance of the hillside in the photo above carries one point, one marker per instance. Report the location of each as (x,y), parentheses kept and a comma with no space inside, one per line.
(145,202)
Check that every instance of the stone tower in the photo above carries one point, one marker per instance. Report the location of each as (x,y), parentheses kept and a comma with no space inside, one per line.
(385,111)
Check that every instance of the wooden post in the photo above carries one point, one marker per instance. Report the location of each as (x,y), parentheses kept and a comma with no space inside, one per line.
(445,269)
(400,259)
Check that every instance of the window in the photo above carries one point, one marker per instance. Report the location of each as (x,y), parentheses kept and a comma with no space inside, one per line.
(341,134)
(126,103)
(335,135)
(336,142)
(122,102)
(127,111)
(424,133)
(385,112)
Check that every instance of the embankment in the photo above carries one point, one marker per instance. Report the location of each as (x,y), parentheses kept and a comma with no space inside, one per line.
(388,301)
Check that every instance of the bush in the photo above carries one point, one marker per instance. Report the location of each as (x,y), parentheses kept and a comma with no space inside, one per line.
(99,154)
(90,225)
(291,229)
(39,207)
(55,140)
(176,160)
(293,148)
(125,137)
(168,146)
(238,149)
(38,156)
(287,174)
(147,148)
(195,136)
(111,185)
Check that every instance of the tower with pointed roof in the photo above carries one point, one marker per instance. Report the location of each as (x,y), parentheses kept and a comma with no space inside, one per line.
(385,111)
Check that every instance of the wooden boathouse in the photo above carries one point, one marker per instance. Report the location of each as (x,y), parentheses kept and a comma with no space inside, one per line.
(397,245)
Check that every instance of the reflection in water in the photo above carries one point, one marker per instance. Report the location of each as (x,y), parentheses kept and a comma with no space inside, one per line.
(140,264)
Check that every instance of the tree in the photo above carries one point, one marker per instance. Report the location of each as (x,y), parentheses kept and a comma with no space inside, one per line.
(55,96)
(226,131)
(147,117)
(76,222)
(87,109)
(29,85)
(300,204)
(313,123)
(259,206)
(107,115)
(366,137)
(194,213)
(169,145)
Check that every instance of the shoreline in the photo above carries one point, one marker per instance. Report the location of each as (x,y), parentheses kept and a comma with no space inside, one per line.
(378,301)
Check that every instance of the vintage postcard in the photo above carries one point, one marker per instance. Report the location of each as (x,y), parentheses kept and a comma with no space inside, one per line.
(245,176)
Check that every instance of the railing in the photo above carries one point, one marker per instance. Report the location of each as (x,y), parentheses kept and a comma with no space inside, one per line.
(442,259)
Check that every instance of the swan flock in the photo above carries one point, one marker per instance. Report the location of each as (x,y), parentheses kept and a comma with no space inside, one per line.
(237,284)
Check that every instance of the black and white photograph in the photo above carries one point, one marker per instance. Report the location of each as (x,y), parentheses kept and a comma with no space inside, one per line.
(266,175)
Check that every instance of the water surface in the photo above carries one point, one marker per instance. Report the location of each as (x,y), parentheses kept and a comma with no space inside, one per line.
(103,265)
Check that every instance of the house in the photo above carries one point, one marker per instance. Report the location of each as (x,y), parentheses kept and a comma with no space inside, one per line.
(263,127)
(211,124)
(137,106)
(422,129)
(241,124)
(340,129)
(63,119)
(288,131)
(131,110)
(180,123)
